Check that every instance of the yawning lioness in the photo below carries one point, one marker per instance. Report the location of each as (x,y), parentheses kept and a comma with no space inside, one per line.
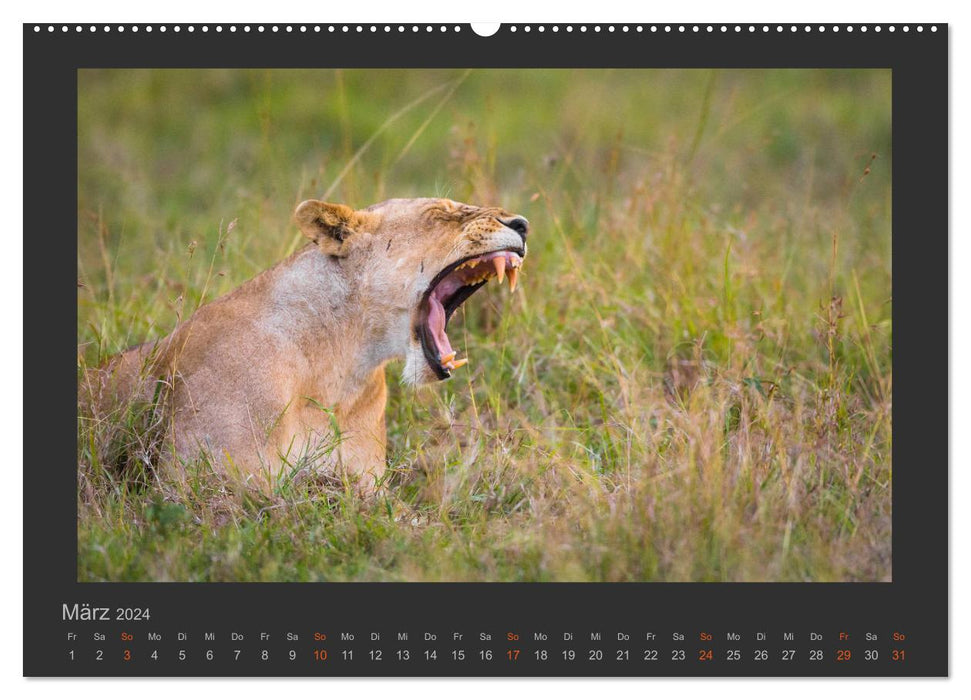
(277,372)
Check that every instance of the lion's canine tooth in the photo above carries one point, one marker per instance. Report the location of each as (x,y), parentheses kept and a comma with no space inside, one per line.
(500,264)
(460,363)
(448,358)
(513,274)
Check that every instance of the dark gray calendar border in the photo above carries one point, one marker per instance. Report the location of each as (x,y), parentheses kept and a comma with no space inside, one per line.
(915,602)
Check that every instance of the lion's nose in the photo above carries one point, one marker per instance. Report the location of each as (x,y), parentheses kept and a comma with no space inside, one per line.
(519,224)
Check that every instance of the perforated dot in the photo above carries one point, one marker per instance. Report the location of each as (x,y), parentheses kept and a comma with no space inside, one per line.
(555,28)
(458,28)
(877,28)
(933,29)
(906,28)
(526,28)
(177,28)
(920,29)
(135,28)
(626,29)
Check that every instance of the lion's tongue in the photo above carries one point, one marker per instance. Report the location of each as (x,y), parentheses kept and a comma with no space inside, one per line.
(436,323)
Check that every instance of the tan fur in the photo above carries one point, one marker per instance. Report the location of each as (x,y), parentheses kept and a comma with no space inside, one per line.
(258,379)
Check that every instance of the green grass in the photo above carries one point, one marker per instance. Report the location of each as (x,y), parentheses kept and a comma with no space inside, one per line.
(694,383)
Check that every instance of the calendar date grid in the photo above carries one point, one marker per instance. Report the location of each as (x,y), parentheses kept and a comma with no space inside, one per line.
(332,649)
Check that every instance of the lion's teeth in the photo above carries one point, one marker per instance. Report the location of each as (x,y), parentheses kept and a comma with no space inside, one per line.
(500,264)
(448,358)
(459,363)
(513,274)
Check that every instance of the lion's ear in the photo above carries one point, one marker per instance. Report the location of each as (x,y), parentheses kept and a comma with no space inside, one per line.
(329,225)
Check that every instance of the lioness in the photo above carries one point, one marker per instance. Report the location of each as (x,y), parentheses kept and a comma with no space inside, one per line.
(293,360)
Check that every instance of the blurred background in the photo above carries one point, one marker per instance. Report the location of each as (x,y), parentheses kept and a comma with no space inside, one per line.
(694,384)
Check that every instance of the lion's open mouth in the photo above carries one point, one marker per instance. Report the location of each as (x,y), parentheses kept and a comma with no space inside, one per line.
(445,294)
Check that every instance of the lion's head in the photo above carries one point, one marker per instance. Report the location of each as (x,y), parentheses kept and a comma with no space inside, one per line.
(416,261)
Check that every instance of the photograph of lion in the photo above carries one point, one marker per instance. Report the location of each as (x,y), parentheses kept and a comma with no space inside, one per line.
(482,325)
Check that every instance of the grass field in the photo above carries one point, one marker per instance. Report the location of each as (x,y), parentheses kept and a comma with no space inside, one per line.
(694,382)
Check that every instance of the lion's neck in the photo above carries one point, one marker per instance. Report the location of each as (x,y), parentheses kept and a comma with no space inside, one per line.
(345,331)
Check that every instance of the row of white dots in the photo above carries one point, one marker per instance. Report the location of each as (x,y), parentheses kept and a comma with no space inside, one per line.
(695,28)
(246,28)
(725,28)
